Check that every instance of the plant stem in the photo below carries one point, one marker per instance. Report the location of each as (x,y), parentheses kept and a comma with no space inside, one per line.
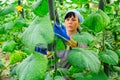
(106,66)
(103,42)
(101,5)
(106,69)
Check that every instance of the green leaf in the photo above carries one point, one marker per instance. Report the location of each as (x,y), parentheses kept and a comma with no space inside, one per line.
(59,44)
(40,8)
(39,31)
(80,1)
(8,26)
(99,76)
(97,21)
(88,59)
(73,70)
(7,10)
(17,56)
(94,22)
(58,78)
(9,46)
(109,57)
(32,68)
(2,65)
(2,30)
(118,37)
(48,75)
(116,69)
(92,76)
(80,76)
(106,19)
(63,71)
(83,37)
(26,50)
(18,24)
(109,9)
(117,27)
(118,52)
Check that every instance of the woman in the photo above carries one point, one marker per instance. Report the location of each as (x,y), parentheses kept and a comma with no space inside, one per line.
(72,21)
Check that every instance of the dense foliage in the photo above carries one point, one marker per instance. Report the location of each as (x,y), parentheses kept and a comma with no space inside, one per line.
(25,23)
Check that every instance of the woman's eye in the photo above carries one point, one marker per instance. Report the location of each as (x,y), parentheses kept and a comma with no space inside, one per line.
(67,19)
(73,19)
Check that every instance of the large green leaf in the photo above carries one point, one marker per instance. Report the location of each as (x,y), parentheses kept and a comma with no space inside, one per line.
(106,19)
(40,8)
(33,67)
(97,21)
(39,31)
(109,57)
(7,10)
(84,59)
(94,22)
(83,37)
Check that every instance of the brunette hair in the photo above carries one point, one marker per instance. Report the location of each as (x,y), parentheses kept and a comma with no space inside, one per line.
(69,15)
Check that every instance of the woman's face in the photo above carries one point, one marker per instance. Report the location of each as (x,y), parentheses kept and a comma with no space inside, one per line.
(72,23)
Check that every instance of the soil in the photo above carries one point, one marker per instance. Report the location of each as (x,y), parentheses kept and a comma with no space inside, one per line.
(5,72)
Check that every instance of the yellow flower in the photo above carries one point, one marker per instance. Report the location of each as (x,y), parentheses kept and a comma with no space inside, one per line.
(19,8)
